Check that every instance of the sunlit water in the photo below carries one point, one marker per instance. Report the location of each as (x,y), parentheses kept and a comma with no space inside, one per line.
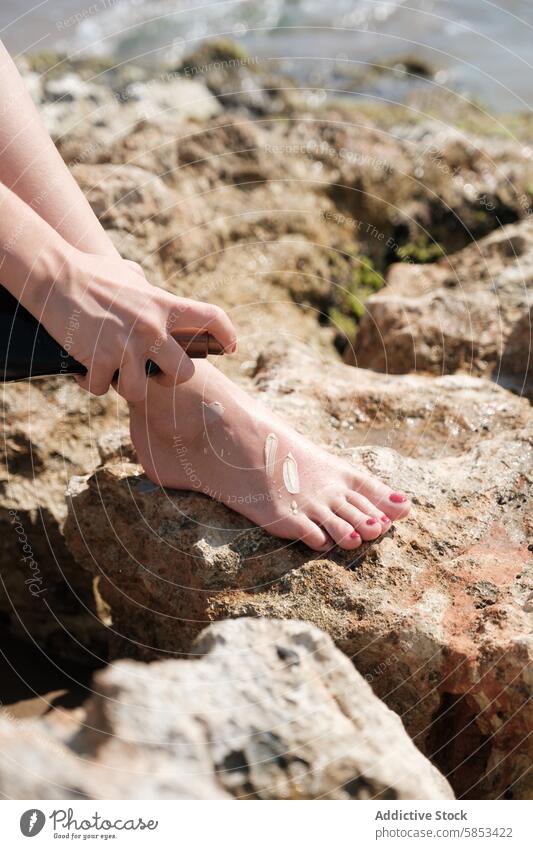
(484,49)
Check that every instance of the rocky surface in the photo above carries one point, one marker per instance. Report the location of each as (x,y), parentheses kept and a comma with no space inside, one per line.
(268,710)
(446,595)
(305,201)
(469,312)
(51,431)
(232,186)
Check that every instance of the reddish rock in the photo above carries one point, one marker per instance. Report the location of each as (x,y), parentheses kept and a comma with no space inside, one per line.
(437,614)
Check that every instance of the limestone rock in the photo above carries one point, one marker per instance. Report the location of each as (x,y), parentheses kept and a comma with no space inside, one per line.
(362,194)
(110,104)
(188,99)
(269,710)
(240,81)
(419,416)
(437,613)
(469,312)
(134,206)
(409,183)
(51,428)
(67,103)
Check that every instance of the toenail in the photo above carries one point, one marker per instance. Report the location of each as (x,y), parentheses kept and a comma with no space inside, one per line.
(397,498)
(385,519)
(354,534)
(371,521)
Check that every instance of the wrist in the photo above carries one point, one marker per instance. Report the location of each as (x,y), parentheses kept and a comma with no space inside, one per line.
(51,275)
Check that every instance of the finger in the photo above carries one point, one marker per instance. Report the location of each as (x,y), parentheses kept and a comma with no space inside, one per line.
(208,317)
(176,366)
(97,380)
(132,380)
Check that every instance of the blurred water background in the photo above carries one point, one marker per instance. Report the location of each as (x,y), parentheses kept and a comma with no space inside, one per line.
(480,48)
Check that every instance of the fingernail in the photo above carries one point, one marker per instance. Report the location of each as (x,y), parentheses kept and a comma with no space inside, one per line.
(354,534)
(397,498)
(371,521)
(385,519)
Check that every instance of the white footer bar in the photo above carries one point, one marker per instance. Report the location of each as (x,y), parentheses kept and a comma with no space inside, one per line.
(267,825)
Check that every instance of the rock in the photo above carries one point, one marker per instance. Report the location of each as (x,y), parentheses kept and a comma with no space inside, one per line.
(419,416)
(70,88)
(168,94)
(50,432)
(68,103)
(289,226)
(443,186)
(71,105)
(269,710)
(135,207)
(365,197)
(240,81)
(469,312)
(517,357)
(178,247)
(435,614)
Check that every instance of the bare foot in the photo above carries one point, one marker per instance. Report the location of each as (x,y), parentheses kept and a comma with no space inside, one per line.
(208,435)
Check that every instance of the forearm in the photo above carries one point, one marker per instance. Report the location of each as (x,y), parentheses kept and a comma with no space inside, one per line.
(33,256)
(31,166)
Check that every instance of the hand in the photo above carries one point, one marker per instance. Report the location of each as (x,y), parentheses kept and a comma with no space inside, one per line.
(108,316)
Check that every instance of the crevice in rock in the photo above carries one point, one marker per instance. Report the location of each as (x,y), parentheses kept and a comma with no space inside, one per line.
(360,788)
(457,746)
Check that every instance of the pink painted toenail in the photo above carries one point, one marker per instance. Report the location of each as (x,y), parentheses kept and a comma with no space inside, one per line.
(397,498)
(371,521)
(385,519)
(354,534)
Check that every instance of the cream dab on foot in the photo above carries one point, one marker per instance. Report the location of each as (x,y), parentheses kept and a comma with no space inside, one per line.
(291,478)
(271,447)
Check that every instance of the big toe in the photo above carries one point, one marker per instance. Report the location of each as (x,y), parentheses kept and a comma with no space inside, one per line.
(393,503)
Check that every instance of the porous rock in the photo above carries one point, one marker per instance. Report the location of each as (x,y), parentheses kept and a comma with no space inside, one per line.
(469,312)
(437,613)
(267,710)
(51,431)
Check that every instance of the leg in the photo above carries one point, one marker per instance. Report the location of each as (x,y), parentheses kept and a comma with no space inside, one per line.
(31,166)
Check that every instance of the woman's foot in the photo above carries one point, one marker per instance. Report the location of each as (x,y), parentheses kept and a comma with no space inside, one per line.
(208,435)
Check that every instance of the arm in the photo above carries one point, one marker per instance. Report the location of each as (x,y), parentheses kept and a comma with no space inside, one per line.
(32,254)
(61,260)
(31,166)
(123,321)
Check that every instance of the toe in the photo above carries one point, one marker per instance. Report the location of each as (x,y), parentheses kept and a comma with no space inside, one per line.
(341,531)
(369,527)
(314,537)
(390,502)
(303,529)
(369,509)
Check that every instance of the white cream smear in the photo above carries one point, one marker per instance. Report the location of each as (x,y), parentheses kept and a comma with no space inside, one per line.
(290,474)
(213,411)
(271,447)
(294,507)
